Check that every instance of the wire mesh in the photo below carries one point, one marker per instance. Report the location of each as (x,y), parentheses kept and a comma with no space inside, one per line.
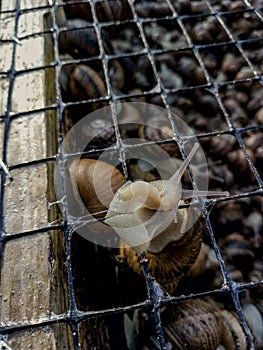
(163,30)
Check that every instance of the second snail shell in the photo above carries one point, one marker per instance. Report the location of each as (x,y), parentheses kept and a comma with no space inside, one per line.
(174,260)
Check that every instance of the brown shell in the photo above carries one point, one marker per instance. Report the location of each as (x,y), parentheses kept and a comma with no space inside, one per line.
(193,325)
(173,262)
(85,83)
(79,43)
(104,175)
(233,336)
(238,251)
(238,161)
(78,10)
(160,133)
(112,10)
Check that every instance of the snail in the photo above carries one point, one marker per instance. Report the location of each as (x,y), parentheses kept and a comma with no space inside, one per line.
(78,10)
(152,9)
(235,274)
(100,132)
(188,325)
(159,132)
(193,325)
(96,181)
(146,217)
(221,146)
(199,266)
(239,164)
(238,251)
(113,10)
(254,224)
(254,319)
(119,70)
(233,336)
(81,82)
(81,42)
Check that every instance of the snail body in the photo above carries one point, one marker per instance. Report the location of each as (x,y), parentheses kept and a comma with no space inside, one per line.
(146,217)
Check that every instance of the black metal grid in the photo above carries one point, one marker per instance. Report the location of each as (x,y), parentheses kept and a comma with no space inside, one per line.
(230,288)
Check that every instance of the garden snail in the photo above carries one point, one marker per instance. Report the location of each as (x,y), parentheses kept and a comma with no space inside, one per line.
(146,217)
(81,42)
(93,178)
(160,132)
(193,324)
(238,251)
(80,82)
(113,10)
(189,325)
(78,10)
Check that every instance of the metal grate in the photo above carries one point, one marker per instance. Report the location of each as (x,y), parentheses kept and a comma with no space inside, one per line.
(144,18)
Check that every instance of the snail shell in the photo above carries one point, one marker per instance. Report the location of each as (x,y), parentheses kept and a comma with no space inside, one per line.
(254,319)
(193,325)
(221,146)
(238,162)
(97,181)
(121,72)
(256,275)
(81,42)
(233,336)
(80,82)
(174,261)
(199,266)
(235,274)
(238,251)
(113,10)
(157,133)
(78,10)
(152,9)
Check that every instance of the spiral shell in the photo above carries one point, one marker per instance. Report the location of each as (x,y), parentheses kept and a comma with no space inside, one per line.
(238,251)
(81,42)
(233,336)
(78,10)
(80,82)
(193,325)
(170,264)
(113,10)
(160,132)
(97,181)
